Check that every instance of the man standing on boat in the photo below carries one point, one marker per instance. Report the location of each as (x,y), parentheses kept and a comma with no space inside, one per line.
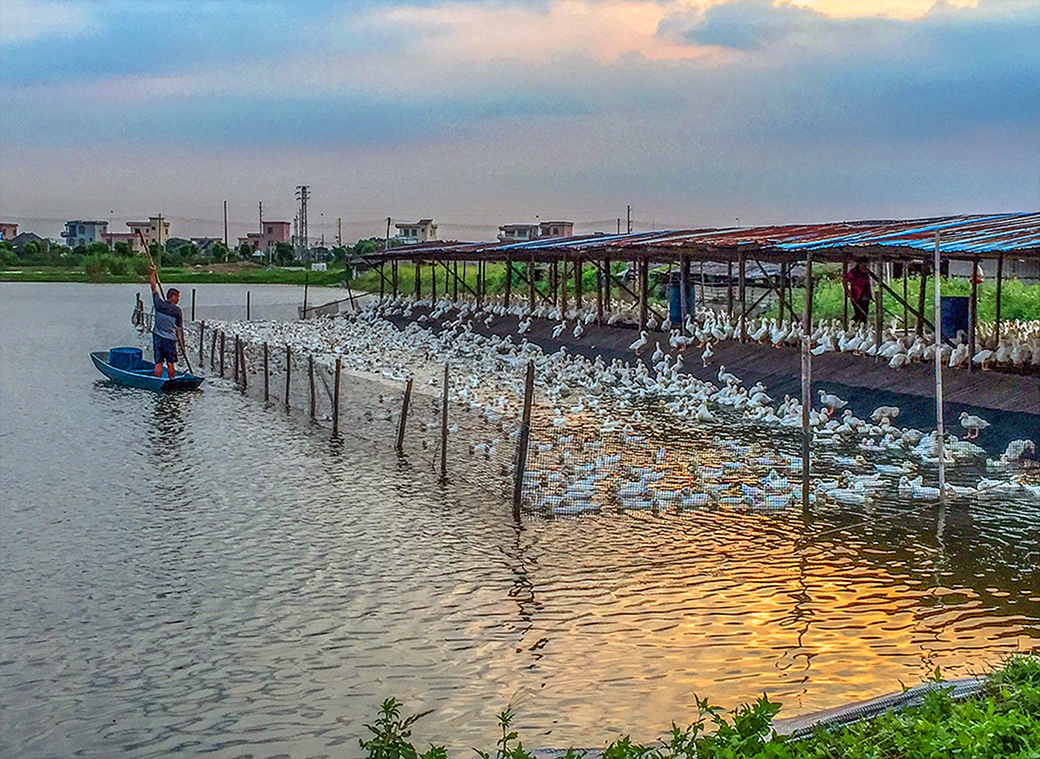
(165,328)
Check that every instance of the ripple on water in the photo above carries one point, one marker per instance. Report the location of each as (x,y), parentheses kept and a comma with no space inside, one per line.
(195,573)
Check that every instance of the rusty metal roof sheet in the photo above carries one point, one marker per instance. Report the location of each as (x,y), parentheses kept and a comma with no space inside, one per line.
(1017,233)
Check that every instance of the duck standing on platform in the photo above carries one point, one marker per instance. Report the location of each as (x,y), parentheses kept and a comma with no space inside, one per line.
(973,424)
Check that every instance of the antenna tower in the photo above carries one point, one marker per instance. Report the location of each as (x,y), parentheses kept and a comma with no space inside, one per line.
(303,192)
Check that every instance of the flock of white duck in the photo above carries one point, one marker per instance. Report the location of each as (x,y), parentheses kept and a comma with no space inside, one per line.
(624,435)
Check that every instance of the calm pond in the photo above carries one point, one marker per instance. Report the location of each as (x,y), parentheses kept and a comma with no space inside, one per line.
(194,573)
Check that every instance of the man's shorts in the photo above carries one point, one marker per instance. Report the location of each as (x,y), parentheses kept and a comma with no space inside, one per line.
(165,349)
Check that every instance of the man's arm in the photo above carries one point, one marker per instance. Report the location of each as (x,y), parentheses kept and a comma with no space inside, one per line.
(152,278)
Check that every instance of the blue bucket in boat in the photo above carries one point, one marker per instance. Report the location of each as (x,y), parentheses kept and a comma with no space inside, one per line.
(954,314)
(124,358)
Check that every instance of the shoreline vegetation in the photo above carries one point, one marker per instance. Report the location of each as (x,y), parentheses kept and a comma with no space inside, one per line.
(1003,722)
(1021,301)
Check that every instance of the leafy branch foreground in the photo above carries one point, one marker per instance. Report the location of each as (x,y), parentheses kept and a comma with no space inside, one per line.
(1003,723)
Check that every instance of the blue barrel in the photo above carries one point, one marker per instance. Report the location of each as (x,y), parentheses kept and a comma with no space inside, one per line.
(675,298)
(954,310)
(124,358)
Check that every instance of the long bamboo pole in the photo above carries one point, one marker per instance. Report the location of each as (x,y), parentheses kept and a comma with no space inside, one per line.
(939,426)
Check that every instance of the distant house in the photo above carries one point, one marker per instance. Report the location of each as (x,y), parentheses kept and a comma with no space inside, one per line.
(423,230)
(517,232)
(156,229)
(556,229)
(19,241)
(83,232)
(538,231)
(7,230)
(129,238)
(272,233)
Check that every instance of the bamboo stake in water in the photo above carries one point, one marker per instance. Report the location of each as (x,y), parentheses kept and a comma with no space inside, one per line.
(222,341)
(335,397)
(939,426)
(242,358)
(807,381)
(267,375)
(202,341)
(235,372)
(521,448)
(404,415)
(444,427)
(248,312)
(288,373)
(213,351)
(310,373)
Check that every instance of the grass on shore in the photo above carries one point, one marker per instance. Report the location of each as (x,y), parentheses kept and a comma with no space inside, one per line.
(1003,722)
(246,275)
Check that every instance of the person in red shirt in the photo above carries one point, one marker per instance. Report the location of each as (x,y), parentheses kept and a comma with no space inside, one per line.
(857,286)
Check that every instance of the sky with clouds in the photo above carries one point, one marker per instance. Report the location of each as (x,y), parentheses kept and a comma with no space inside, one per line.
(482,112)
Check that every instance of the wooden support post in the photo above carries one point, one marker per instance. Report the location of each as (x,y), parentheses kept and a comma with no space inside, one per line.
(193,307)
(404,416)
(509,280)
(521,448)
(249,313)
(418,280)
(554,280)
(845,294)
(530,284)
(382,285)
(433,283)
(973,312)
(807,328)
(234,373)
(455,281)
(444,427)
(310,375)
(578,286)
(684,294)
(879,305)
(729,289)
(288,374)
(606,284)
(780,305)
(393,275)
(563,287)
(1000,287)
(742,287)
(335,396)
(267,374)
(939,422)
(202,341)
(213,350)
(600,281)
(906,299)
(644,290)
(920,297)
(222,341)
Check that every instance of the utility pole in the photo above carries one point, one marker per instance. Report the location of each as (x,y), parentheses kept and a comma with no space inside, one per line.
(628,214)
(339,230)
(303,193)
(387,246)
(225,224)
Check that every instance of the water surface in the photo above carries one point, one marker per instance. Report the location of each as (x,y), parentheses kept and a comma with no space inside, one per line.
(196,573)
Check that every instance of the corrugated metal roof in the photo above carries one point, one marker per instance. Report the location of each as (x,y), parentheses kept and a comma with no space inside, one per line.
(1017,233)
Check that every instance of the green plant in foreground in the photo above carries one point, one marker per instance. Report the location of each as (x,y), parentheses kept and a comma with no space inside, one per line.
(1003,723)
(391,734)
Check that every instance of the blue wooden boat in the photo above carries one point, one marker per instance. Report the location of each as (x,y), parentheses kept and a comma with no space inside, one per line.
(125,366)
